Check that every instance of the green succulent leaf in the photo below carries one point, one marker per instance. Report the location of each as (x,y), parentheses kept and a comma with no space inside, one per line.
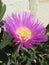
(28,63)
(26,52)
(0,6)
(2,11)
(47,30)
(5,41)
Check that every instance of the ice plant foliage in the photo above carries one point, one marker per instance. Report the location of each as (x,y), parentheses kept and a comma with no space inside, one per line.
(25,29)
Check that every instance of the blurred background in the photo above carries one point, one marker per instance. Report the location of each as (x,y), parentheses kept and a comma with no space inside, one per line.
(39,8)
(16,6)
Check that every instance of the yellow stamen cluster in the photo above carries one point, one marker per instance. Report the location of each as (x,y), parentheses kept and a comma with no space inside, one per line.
(24,33)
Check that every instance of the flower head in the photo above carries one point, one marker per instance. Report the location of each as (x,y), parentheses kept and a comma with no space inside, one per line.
(25,29)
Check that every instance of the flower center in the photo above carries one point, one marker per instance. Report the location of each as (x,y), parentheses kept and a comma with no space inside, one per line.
(24,33)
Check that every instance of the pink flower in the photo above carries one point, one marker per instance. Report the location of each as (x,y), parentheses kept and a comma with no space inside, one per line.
(25,29)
